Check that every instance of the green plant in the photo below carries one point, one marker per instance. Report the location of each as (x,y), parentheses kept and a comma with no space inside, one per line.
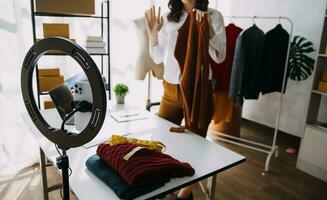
(300,64)
(121,89)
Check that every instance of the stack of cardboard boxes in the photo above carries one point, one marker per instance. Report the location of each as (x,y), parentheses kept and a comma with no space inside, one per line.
(48,79)
(56,29)
(323,82)
(84,7)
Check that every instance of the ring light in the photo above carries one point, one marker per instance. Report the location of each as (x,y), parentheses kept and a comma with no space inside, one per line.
(63,139)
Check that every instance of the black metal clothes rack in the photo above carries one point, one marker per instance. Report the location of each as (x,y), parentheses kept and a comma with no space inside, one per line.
(104,21)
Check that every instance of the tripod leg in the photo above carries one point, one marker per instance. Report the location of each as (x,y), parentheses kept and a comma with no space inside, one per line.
(44,175)
(63,164)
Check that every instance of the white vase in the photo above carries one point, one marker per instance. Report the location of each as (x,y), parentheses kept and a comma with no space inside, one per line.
(120,99)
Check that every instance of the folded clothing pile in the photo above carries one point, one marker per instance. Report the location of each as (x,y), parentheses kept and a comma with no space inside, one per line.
(131,170)
(110,177)
(145,166)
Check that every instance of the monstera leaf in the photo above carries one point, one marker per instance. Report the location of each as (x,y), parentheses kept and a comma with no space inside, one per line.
(300,64)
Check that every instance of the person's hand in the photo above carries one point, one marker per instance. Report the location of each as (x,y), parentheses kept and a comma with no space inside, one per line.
(199,15)
(154,24)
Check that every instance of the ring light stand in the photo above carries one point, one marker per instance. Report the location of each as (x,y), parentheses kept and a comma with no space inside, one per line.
(64,139)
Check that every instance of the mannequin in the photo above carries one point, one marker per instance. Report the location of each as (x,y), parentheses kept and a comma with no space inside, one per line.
(144,62)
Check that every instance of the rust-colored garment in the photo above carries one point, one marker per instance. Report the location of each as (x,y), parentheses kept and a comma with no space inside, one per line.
(192,54)
(171,109)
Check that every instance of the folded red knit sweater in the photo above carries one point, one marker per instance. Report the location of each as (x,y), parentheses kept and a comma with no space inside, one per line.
(145,166)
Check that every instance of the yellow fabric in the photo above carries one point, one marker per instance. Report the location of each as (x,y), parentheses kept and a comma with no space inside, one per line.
(223,107)
(149,144)
(131,153)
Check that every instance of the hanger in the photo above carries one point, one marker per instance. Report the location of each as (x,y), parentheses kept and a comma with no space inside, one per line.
(231,20)
(253,20)
(279,20)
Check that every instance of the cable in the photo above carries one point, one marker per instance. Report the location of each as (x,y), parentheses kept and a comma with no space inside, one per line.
(71,171)
(58,150)
(62,196)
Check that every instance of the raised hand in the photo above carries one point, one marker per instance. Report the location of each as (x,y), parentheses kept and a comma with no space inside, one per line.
(154,23)
(200,15)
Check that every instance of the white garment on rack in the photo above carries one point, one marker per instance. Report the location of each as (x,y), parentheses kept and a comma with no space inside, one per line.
(164,50)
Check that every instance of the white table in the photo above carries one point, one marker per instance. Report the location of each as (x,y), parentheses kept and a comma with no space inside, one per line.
(207,158)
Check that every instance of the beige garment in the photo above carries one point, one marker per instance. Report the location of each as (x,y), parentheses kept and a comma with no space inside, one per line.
(223,107)
(144,62)
(232,127)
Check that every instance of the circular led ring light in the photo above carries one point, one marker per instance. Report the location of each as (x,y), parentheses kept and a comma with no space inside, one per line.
(64,140)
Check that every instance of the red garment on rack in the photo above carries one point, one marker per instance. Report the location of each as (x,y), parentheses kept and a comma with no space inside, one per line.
(145,166)
(222,72)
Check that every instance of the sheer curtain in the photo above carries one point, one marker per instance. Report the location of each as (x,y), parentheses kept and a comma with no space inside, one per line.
(18,148)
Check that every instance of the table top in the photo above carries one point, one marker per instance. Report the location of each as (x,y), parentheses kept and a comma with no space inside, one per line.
(206,157)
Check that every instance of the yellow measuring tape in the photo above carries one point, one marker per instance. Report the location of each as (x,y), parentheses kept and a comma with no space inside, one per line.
(149,144)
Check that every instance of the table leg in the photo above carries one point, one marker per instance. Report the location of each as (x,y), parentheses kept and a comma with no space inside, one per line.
(211,187)
(44,175)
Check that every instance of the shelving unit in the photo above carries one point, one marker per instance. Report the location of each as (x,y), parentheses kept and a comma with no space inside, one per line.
(319,92)
(323,55)
(104,21)
(312,154)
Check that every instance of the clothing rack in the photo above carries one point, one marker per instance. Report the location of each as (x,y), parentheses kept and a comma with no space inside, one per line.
(273,149)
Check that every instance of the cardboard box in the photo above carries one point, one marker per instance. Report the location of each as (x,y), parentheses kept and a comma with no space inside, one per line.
(53,29)
(48,104)
(322,87)
(66,6)
(49,72)
(48,83)
(324,76)
(72,40)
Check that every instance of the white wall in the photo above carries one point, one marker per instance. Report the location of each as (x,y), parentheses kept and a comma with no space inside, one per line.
(307,16)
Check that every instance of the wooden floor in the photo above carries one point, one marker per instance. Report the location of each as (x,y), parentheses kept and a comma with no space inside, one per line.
(246,181)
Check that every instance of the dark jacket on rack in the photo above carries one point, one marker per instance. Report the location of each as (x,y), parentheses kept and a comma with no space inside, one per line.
(253,42)
(237,73)
(222,72)
(270,78)
(247,61)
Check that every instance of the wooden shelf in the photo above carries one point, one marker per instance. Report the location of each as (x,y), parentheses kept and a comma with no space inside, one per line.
(323,55)
(45,14)
(63,54)
(319,92)
(315,127)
